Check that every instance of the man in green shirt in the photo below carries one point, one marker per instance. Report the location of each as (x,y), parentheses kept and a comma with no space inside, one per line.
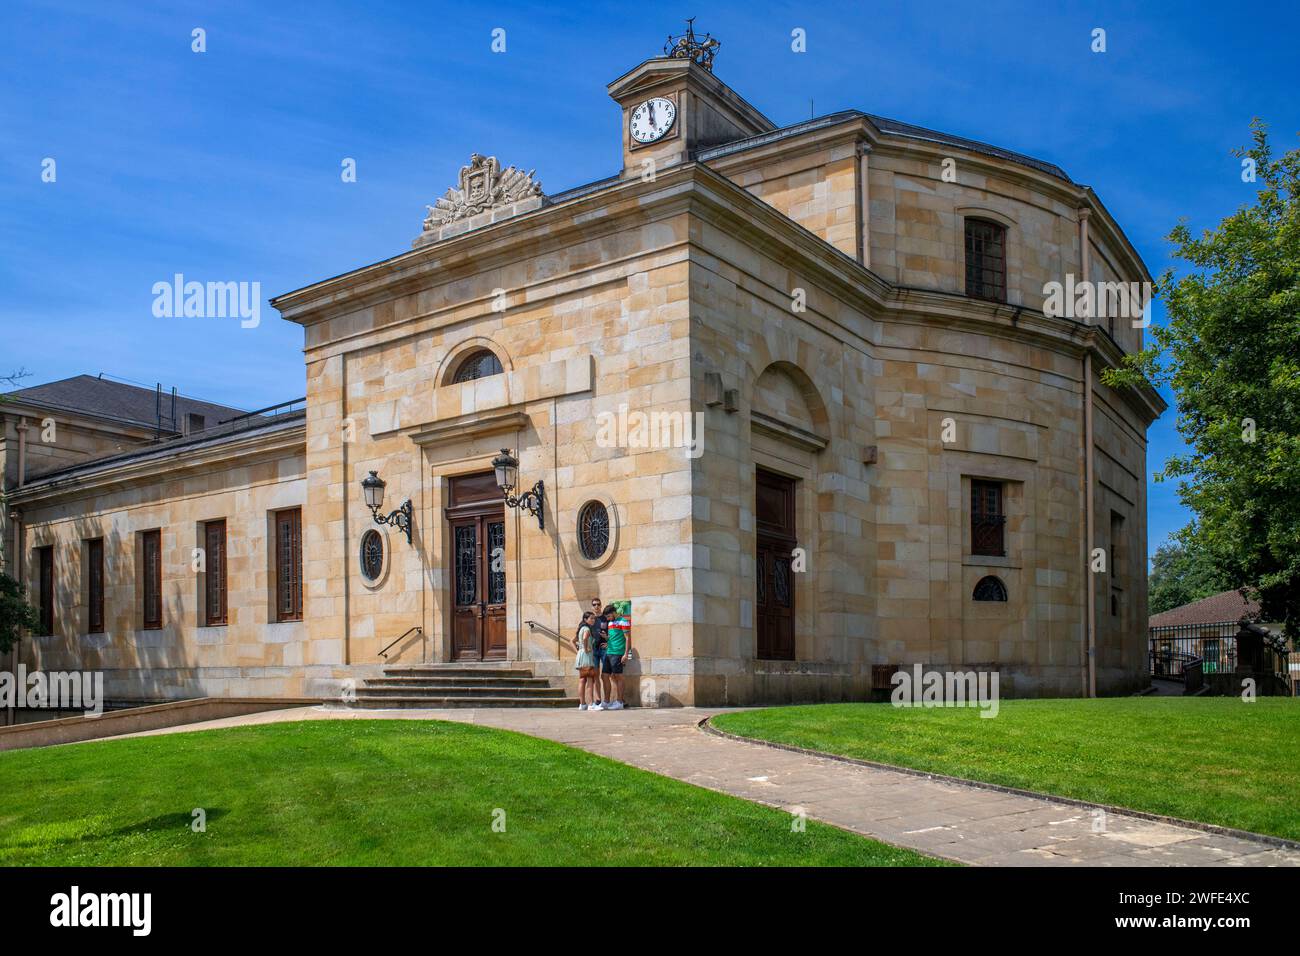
(617,650)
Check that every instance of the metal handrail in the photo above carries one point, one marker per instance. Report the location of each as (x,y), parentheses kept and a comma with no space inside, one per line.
(262,411)
(537,625)
(417,629)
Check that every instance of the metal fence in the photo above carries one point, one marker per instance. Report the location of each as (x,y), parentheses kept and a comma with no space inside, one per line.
(1197,648)
(1174,647)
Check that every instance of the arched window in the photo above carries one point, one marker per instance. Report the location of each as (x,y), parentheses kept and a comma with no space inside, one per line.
(986,260)
(990,589)
(478,364)
(593,530)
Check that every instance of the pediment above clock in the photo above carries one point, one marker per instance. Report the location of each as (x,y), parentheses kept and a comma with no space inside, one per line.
(662,75)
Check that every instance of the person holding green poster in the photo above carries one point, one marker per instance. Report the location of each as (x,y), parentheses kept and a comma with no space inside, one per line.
(617,650)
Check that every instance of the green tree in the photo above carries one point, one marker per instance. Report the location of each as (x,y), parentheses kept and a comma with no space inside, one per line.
(9,381)
(1230,351)
(15,613)
(1182,571)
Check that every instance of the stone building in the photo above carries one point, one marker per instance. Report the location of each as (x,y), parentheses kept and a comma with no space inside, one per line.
(793,392)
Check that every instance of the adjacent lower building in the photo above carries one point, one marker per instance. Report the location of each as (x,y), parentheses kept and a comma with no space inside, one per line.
(798,394)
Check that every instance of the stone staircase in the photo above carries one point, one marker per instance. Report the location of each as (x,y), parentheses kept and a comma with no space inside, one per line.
(440,686)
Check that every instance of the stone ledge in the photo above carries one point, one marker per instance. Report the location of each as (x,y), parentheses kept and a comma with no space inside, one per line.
(67,730)
(486,218)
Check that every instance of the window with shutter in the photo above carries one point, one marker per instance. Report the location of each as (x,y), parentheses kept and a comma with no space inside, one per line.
(214,578)
(151,573)
(288,565)
(95,579)
(986,260)
(987,521)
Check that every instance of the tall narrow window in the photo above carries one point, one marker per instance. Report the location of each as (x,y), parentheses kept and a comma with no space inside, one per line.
(1118,551)
(95,581)
(45,569)
(151,578)
(987,521)
(214,579)
(288,565)
(1118,562)
(986,260)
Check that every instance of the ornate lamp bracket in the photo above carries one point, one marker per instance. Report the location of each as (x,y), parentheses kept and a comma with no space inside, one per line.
(372,489)
(399,518)
(506,466)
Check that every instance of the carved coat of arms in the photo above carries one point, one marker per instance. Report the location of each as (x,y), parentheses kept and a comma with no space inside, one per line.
(483,185)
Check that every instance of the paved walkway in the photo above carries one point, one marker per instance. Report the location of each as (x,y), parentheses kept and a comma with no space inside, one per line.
(963,823)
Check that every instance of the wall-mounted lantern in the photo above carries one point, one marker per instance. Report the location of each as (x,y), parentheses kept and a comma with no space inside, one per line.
(507,469)
(373,490)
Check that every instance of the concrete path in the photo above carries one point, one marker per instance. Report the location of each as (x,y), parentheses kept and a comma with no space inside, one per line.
(959,822)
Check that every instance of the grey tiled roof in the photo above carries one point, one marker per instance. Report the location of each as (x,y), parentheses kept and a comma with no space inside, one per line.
(885,125)
(896,128)
(1222,608)
(243,426)
(117,400)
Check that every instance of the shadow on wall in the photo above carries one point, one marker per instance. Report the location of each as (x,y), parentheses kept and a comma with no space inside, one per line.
(138,664)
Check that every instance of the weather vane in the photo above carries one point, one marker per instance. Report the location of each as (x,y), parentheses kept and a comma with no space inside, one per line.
(690,47)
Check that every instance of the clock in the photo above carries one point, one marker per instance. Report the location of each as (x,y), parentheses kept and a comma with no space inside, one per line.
(652,120)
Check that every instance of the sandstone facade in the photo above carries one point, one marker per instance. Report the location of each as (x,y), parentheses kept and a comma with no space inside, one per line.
(797,296)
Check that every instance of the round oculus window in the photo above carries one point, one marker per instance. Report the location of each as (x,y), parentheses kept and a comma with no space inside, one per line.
(593,530)
(372,555)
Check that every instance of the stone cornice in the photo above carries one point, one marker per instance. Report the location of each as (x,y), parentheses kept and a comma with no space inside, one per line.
(784,150)
(844,277)
(77,418)
(586,217)
(856,126)
(787,432)
(704,192)
(1144,399)
(151,465)
(472,425)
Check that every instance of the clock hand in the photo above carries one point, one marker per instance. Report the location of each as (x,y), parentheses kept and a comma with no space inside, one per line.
(652,112)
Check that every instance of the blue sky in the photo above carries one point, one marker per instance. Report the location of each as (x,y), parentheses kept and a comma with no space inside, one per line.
(225,165)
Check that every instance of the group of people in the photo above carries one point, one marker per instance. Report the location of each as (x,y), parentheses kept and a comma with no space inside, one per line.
(603,647)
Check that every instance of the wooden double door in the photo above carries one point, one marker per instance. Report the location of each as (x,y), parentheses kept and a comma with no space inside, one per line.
(477,537)
(774,513)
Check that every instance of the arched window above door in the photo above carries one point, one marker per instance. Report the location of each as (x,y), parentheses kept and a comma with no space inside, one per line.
(478,364)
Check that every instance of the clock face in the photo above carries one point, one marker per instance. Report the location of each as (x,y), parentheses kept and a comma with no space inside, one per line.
(653,119)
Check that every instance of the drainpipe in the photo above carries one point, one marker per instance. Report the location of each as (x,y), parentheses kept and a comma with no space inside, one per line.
(22,451)
(864,206)
(1090,595)
(16,567)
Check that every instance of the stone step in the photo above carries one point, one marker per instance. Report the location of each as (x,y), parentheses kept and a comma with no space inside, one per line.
(437,670)
(451,690)
(439,680)
(444,703)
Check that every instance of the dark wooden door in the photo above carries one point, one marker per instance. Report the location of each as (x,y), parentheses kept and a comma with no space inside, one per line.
(478,577)
(774,513)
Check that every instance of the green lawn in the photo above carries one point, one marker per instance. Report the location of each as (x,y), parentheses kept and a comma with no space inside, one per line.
(384,792)
(1216,760)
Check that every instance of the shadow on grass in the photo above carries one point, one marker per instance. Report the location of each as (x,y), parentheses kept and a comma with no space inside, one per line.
(165,822)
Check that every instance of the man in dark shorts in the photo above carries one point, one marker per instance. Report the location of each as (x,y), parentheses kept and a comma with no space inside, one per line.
(618,645)
(599,637)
